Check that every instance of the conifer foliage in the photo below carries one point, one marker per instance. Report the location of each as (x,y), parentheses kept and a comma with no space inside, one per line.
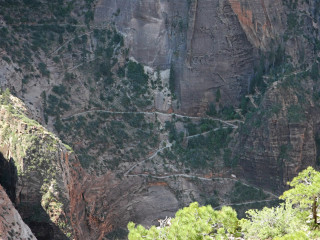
(192,222)
(295,218)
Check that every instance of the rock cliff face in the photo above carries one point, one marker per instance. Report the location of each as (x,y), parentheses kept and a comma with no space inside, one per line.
(218,56)
(280,138)
(202,39)
(145,25)
(107,77)
(11,224)
(281,142)
(262,21)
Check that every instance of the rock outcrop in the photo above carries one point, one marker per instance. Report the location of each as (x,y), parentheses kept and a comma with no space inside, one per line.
(11,224)
(262,21)
(40,176)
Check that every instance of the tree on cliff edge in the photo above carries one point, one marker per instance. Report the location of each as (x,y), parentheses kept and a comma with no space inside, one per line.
(305,193)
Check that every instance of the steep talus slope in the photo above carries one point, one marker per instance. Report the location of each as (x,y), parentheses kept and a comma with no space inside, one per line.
(11,224)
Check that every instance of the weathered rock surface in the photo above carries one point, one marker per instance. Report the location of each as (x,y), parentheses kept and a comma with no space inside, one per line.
(11,224)
(275,148)
(280,139)
(145,25)
(218,56)
(210,43)
(262,21)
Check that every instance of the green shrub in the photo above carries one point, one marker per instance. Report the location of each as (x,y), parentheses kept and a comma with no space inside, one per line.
(242,193)
(314,74)
(68,76)
(117,39)
(59,90)
(172,84)
(137,77)
(292,21)
(192,129)
(8,60)
(43,69)
(218,95)
(228,161)
(272,222)
(212,110)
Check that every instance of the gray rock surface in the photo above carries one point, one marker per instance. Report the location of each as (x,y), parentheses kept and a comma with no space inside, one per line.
(11,224)
(203,40)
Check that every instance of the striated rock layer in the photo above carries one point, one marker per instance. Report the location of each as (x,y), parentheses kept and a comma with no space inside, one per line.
(280,138)
(278,147)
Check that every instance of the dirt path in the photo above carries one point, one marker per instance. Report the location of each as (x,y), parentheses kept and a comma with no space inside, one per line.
(245,203)
(227,122)
(199,178)
(168,145)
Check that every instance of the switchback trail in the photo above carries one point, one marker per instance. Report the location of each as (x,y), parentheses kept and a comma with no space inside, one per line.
(227,122)
(245,203)
(168,145)
(71,39)
(200,178)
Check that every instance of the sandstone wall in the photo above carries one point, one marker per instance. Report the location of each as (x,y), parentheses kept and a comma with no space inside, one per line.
(212,44)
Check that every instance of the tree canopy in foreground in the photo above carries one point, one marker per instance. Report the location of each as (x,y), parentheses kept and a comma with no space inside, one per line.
(294,219)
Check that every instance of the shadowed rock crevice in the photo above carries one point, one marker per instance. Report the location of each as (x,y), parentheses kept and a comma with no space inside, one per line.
(42,230)
(8,177)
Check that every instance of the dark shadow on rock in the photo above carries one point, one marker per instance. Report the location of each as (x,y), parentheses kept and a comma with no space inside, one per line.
(32,213)
(38,221)
(117,234)
(8,177)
